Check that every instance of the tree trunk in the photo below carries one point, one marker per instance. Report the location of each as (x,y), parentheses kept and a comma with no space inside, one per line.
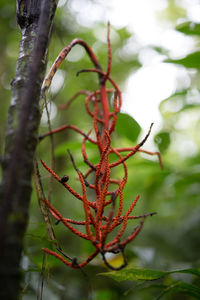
(35,19)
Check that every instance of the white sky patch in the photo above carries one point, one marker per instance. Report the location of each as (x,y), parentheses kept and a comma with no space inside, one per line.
(86,12)
(144,91)
(138,15)
(177,43)
(193,10)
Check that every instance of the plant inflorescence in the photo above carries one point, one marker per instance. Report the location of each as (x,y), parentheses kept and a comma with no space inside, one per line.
(99,222)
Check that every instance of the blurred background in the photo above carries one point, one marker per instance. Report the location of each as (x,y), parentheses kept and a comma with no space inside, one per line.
(156,59)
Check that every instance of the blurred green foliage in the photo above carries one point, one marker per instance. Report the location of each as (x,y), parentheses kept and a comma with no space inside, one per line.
(169,240)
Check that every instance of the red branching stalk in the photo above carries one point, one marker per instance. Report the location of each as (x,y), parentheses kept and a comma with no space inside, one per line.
(104,122)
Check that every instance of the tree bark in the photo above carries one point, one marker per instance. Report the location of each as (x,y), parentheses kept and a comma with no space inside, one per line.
(35,18)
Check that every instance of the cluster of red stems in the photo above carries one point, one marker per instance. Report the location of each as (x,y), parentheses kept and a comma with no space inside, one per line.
(97,225)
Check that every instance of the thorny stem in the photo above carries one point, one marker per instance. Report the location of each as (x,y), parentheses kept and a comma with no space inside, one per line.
(97,225)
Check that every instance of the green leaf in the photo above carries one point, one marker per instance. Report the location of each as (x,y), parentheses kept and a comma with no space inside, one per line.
(190,61)
(189,28)
(189,271)
(144,274)
(135,274)
(128,127)
(181,287)
(162,140)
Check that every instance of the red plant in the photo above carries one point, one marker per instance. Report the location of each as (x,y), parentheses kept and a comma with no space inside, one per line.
(104,122)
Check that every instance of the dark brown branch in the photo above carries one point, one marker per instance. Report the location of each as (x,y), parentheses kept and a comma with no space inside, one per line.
(21,139)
